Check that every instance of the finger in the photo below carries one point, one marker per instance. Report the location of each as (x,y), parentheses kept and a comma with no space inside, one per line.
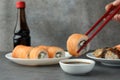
(117,17)
(108,6)
(116,3)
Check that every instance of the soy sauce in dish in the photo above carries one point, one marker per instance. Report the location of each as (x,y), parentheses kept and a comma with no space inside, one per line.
(76,62)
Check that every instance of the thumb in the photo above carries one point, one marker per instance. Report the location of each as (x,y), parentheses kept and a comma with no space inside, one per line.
(116,3)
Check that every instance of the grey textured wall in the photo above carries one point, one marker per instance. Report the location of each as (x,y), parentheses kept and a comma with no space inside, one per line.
(51,22)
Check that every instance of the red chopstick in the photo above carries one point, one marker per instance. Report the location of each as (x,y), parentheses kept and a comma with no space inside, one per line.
(107,16)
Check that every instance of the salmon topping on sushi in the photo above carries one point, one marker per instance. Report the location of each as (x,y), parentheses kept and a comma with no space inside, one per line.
(74,42)
(38,52)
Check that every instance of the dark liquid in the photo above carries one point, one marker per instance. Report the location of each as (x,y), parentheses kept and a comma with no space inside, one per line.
(21,38)
(76,62)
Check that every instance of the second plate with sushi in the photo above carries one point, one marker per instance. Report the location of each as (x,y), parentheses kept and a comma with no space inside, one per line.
(108,62)
(36,62)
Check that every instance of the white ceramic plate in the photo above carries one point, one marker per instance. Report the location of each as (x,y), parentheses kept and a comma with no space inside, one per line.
(35,62)
(109,62)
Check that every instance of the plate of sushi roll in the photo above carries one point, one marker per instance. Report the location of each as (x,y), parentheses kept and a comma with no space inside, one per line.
(108,56)
(39,55)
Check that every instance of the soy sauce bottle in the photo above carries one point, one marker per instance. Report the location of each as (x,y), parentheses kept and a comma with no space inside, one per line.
(21,31)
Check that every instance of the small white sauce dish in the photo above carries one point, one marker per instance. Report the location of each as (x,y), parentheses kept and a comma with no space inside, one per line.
(77,66)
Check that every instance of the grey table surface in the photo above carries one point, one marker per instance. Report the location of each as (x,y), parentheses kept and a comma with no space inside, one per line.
(13,71)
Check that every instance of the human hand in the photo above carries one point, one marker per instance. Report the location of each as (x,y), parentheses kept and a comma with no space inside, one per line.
(114,3)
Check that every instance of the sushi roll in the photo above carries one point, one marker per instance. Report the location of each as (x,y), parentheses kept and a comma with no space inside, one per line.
(112,53)
(55,52)
(98,53)
(117,46)
(44,47)
(74,42)
(21,51)
(38,53)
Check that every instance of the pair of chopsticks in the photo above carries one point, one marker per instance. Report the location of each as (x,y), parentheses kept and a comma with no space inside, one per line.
(105,19)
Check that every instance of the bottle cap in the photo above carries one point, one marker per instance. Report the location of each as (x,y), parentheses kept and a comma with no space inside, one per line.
(20,4)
